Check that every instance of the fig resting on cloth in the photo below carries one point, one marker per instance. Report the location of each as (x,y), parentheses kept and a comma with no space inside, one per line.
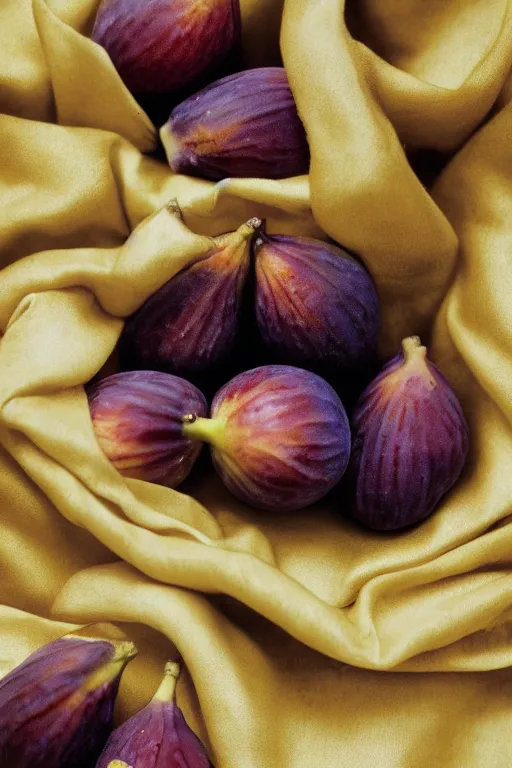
(245,124)
(279,437)
(189,326)
(158,46)
(157,736)
(56,707)
(410,442)
(137,418)
(316,306)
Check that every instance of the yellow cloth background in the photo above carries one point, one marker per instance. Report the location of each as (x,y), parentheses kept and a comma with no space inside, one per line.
(289,626)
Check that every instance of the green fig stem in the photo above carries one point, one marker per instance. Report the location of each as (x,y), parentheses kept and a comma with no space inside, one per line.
(205,430)
(167,688)
(124,652)
(118,764)
(248,230)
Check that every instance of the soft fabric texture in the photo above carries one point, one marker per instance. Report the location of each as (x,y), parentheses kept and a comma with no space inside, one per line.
(307,640)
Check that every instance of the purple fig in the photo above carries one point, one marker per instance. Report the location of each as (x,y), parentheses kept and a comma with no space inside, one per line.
(163,45)
(410,442)
(280,437)
(56,707)
(242,125)
(158,736)
(189,326)
(316,306)
(137,417)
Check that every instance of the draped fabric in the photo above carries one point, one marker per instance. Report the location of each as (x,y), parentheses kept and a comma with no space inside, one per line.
(307,640)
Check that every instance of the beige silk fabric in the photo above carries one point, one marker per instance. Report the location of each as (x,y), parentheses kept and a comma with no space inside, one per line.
(308,641)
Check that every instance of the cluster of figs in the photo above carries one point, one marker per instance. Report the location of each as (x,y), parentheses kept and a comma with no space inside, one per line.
(57,709)
(279,433)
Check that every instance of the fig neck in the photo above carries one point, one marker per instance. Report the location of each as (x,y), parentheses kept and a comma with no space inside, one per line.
(167,689)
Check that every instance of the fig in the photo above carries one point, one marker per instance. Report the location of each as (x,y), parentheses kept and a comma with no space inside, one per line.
(316,306)
(56,707)
(158,736)
(279,436)
(242,125)
(137,417)
(410,442)
(163,45)
(189,326)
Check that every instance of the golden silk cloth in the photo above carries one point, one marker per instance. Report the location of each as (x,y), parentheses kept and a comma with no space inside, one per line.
(308,641)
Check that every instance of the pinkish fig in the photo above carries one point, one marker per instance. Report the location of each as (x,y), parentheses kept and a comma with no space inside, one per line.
(158,736)
(242,125)
(137,417)
(56,707)
(410,442)
(189,326)
(279,437)
(163,45)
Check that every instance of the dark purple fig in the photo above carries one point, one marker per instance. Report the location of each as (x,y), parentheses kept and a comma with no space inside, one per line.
(163,45)
(279,435)
(137,417)
(56,707)
(189,326)
(158,736)
(242,125)
(316,306)
(410,442)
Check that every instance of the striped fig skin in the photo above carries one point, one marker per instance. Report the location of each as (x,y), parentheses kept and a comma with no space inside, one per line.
(189,326)
(137,419)
(242,125)
(156,737)
(316,306)
(56,708)
(410,442)
(280,437)
(158,46)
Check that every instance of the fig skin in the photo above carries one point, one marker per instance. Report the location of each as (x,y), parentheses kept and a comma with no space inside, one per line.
(163,45)
(56,707)
(279,436)
(410,442)
(137,418)
(157,736)
(316,306)
(243,125)
(189,326)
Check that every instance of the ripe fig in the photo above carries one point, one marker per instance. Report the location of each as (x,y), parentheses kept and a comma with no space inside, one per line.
(316,306)
(410,442)
(242,125)
(163,45)
(56,707)
(158,736)
(189,326)
(137,417)
(279,437)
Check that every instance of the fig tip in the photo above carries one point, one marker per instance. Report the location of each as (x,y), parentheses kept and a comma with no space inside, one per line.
(173,207)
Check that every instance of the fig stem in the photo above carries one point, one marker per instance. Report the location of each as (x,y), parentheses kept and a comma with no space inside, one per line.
(249,229)
(413,348)
(124,652)
(203,429)
(167,688)
(173,207)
